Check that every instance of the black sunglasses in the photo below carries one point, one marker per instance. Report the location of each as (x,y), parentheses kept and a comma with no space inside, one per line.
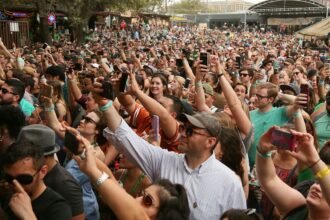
(24,179)
(261,97)
(243,74)
(189,130)
(147,199)
(5,91)
(88,120)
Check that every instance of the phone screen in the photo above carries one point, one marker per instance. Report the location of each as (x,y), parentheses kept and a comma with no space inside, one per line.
(179,62)
(283,139)
(204,58)
(155,125)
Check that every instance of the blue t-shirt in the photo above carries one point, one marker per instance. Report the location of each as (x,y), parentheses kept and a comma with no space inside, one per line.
(262,121)
(91,207)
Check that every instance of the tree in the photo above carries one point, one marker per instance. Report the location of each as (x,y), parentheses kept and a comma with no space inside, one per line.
(187,7)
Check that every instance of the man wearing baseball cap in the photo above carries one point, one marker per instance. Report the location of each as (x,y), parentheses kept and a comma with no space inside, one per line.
(57,178)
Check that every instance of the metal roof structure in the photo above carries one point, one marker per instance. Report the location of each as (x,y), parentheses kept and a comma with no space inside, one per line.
(289,7)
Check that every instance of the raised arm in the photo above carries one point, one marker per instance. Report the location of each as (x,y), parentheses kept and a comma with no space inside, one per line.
(282,196)
(112,194)
(306,154)
(201,70)
(52,120)
(166,120)
(242,121)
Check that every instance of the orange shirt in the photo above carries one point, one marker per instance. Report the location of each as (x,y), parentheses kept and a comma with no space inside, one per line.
(140,120)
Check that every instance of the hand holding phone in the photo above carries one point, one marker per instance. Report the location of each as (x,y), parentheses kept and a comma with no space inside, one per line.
(45,91)
(304,89)
(283,139)
(71,143)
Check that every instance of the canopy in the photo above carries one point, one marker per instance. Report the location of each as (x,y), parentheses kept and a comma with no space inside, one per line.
(318,29)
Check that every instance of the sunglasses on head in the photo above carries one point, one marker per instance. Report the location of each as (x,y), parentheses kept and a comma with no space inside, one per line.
(5,91)
(24,179)
(88,119)
(147,199)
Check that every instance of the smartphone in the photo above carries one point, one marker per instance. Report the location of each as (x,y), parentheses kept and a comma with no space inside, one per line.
(155,125)
(123,81)
(283,139)
(46,90)
(304,88)
(77,66)
(107,90)
(100,53)
(71,143)
(186,83)
(116,69)
(146,49)
(276,65)
(179,62)
(238,61)
(44,46)
(204,58)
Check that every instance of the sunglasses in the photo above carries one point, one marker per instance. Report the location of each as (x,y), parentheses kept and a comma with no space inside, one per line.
(243,75)
(24,179)
(296,73)
(147,199)
(88,120)
(189,131)
(5,91)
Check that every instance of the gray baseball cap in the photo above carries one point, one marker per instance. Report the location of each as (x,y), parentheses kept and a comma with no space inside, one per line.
(206,121)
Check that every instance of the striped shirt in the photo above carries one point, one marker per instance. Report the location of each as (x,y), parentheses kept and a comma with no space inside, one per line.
(212,188)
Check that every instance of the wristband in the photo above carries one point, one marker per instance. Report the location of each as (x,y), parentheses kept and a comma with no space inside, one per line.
(101,179)
(322,173)
(198,84)
(106,106)
(266,155)
(49,109)
(311,166)
(296,114)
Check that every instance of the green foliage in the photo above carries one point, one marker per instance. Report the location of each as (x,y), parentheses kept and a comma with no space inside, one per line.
(187,7)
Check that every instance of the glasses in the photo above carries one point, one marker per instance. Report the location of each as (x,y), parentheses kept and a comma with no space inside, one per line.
(296,73)
(88,120)
(5,91)
(24,179)
(189,131)
(147,199)
(261,96)
(243,74)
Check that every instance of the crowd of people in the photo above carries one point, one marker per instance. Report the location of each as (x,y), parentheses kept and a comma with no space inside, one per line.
(166,123)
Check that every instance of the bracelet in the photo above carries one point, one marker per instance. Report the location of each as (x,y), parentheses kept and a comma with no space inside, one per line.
(106,106)
(220,74)
(49,109)
(311,166)
(101,179)
(266,155)
(198,84)
(322,173)
(296,114)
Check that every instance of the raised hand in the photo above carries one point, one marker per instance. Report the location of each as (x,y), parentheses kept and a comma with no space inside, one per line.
(20,203)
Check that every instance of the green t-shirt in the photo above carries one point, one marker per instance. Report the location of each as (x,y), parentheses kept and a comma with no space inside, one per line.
(322,127)
(26,107)
(262,121)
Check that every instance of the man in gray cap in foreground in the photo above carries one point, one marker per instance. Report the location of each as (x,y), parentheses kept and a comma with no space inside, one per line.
(57,178)
(212,187)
